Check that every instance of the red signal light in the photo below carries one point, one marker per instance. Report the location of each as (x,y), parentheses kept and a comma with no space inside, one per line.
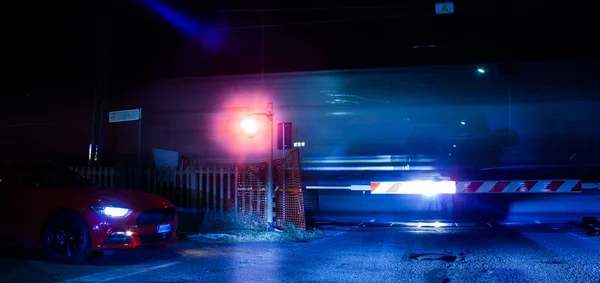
(249,126)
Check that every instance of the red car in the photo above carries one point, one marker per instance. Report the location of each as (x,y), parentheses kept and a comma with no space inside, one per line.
(43,205)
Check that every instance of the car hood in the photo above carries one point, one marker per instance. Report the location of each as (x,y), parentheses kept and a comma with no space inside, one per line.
(126,198)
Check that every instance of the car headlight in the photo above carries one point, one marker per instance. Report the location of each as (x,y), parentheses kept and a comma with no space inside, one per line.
(111,211)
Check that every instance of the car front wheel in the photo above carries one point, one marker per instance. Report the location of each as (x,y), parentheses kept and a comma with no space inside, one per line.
(66,238)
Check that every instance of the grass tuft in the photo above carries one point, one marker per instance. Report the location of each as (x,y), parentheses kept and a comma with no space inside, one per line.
(232,227)
(293,233)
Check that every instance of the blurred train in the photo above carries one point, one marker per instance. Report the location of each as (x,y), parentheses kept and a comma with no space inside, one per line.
(509,120)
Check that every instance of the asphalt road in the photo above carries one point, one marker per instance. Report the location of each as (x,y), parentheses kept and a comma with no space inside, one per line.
(372,253)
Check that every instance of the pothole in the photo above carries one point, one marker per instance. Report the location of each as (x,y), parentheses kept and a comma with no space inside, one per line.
(433,256)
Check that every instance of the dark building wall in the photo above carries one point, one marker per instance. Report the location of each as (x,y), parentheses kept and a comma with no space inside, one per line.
(54,123)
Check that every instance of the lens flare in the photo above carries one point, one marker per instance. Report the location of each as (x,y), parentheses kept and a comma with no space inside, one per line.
(249,126)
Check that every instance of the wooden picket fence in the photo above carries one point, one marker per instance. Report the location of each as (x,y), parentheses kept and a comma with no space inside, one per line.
(211,189)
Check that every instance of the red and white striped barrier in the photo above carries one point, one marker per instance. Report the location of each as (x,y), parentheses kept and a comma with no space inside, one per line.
(414,187)
(450,187)
(528,186)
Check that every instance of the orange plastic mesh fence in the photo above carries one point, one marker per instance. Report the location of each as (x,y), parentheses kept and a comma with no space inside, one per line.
(252,201)
(289,208)
(253,176)
(287,171)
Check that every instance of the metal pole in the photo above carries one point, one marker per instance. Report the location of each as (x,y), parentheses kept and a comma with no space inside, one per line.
(92,149)
(283,165)
(104,84)
(139,153)
(270,115)
(282,140)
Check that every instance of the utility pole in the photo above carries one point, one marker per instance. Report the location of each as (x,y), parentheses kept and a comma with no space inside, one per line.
(270,115)
(103,84)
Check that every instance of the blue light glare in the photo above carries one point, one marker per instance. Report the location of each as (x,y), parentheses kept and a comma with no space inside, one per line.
(435,224)
(370,168)
(481,71)
(195,29)
(369,159)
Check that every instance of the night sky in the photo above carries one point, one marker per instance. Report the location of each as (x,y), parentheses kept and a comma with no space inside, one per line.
(58,43)
(54,51)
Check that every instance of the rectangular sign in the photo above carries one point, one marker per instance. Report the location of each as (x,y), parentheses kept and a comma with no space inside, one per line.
(284,135)
(444,8)
(125,115)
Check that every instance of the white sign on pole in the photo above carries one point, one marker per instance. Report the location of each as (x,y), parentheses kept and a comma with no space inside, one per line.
(444,8)
(125,115)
